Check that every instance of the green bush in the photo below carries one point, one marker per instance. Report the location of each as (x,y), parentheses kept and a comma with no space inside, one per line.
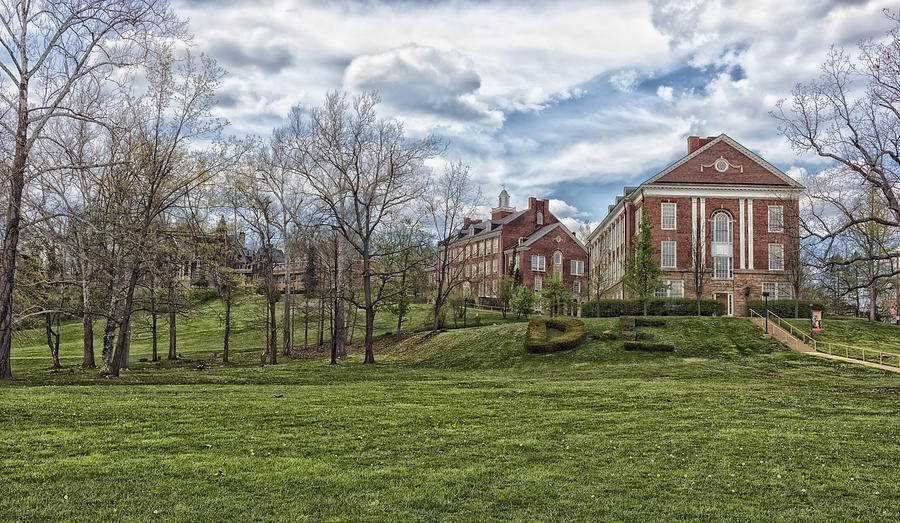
(638,335)
(608,308)
(608,335)
(649,322)
(649,346)
(783,308)
(626,322)
(628,335)
(536,342)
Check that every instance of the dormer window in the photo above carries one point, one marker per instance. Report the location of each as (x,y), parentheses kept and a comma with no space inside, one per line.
(540,218)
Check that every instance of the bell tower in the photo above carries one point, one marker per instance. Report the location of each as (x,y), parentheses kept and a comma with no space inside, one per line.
(502,209)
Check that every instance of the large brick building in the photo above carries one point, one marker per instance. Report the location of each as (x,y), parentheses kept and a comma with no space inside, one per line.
(738,207)
(539,244)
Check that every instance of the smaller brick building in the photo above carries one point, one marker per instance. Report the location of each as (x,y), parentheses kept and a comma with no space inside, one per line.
(721,206)
(533,239)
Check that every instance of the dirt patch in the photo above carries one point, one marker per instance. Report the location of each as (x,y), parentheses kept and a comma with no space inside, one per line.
(883,390)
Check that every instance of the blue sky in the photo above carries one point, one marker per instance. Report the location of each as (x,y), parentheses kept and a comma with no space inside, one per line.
(562,100)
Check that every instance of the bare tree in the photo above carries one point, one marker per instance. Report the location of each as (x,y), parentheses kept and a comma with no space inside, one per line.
(850,115)
(700,272)
(451,198)
(48,49)
(365,172)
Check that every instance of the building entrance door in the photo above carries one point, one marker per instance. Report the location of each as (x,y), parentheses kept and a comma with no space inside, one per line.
(725,298)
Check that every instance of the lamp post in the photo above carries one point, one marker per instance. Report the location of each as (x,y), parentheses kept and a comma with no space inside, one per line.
(766,296)
(465,309)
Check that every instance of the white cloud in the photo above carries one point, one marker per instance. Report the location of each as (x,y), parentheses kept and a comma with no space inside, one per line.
(624,80)
(665,92)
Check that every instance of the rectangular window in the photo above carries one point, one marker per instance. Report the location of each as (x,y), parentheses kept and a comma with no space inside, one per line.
(496,245)
(494,288)
(722,266)
(577,267)
(538,283)
(576,287)
(637,219)
(674,289)
(776,257)
(668,216)
(496,265)
(668,255)
(778,290)
(538,263)
(776,223)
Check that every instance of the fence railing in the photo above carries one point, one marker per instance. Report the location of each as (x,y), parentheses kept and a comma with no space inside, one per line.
(837,349)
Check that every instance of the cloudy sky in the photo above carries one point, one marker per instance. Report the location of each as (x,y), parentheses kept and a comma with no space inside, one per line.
(562,100)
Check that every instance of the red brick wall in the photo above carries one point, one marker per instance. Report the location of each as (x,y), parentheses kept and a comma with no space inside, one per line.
(753,173)
(546,246)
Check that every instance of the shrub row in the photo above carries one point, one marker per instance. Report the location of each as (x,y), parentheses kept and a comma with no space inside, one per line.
(608,308)
(536,342)
(783,308)
(649,346)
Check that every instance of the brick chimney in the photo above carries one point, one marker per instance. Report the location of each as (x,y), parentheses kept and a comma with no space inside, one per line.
(469,221)
(695,142)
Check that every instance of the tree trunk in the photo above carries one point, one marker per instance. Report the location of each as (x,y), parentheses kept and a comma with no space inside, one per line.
(287,341)
(173,341)
(321,334)
(273,330)
(154,335)
(120,357)
(796,305)
(873,306)
(11,236)
(227,324)
(306,319)
(87,321)
(54,345)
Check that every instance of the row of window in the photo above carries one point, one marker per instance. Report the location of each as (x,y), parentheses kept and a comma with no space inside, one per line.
(476,249)
(539,264)
(776,289)
(483,268)
(723,263)
(539,284)
(668,212)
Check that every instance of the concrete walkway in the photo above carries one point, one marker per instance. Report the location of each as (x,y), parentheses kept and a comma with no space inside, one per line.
(791,341)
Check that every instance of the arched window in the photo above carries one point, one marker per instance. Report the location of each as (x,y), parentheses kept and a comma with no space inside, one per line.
(722,245)
(540,218)
(557,258)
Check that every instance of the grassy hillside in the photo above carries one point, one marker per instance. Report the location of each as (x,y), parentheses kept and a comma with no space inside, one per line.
(463,425)
(855,331)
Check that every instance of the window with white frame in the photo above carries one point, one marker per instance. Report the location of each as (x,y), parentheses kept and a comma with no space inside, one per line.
(494,288)
(776,218)
(496,265)
(496,245)
(673,289)
(540,218)
(538,263)
(776,257)
(557,257)
(722,245)
(668,254)
(538,283)
(576,287)
(778,290)
(577,267)
(638,214)
(667,212)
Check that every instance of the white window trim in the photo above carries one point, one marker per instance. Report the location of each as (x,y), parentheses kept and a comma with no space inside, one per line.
(662,216)
(576,267)
(781,246)
(769,218)
(540,218)
(576,287)
(538,263)
(538,283)
(662,257)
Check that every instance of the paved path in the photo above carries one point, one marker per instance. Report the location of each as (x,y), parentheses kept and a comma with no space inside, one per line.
(791,341)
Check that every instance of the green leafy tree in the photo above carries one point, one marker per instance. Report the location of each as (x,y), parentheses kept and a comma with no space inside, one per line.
(641,268)
(555,296)
(523,302)
(505,291)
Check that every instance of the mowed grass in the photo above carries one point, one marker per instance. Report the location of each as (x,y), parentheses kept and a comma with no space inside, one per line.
(463,425)
(854,331)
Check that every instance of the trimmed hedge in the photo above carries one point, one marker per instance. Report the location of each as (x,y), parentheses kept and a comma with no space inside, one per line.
(783,308)
(536,342)
(649,346)
(608,308)
(649,322)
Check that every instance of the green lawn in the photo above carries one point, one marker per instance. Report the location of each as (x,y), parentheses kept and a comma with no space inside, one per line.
(462,425)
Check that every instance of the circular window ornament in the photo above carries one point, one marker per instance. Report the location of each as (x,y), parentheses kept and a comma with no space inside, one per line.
(721,165)
(558,239)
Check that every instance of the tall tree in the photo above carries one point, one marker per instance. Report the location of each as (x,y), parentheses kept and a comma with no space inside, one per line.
(641,267)
(451,197)
(48,48)
(365,171)
(850,115)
